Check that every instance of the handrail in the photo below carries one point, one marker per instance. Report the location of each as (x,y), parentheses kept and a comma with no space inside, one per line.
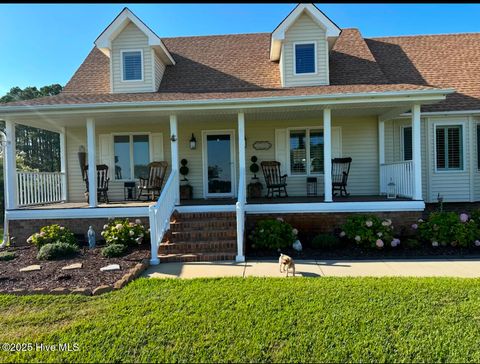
(240,215)
(39,188)
(160,213)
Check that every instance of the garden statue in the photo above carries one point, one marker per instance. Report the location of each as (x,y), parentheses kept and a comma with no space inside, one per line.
(91,237)
(297,246)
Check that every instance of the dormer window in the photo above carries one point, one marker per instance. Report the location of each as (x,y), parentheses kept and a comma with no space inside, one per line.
(305,58)
(132,65)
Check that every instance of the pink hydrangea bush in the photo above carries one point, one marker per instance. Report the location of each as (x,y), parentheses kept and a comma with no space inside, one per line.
(124,232)
(369,231)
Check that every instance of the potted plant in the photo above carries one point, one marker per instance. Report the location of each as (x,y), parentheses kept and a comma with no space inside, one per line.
(254,187)
(186,191)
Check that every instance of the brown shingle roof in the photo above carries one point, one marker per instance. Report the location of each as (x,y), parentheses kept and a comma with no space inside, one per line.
(450,60)
(238,66)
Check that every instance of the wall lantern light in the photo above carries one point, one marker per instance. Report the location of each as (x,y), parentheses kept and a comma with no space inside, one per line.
(193,142)
(173,138)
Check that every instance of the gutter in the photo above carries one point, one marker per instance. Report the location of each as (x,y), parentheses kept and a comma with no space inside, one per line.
(338,98)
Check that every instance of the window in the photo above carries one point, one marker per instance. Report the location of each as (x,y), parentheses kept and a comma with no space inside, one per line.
(132,65)
(303,143)
(407,143)
(132,153)
(305,59)
(449,147)
(478,146)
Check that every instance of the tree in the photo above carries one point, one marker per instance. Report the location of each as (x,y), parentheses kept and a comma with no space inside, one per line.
(28,93)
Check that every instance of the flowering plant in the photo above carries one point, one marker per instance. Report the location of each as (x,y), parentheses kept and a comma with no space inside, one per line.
(369,231)
(443,228)
(124,232)
(52,234)
(273,234)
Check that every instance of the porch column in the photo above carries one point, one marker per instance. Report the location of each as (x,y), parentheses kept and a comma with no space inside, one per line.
(416,153)
(327,154)
(381,142)
(174,150)
(63,164)
(92,164)
(241,156)
(10,165)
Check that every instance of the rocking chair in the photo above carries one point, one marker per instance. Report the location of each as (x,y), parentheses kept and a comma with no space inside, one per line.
(273,179)
(154,183)
(102,182)
(340,170)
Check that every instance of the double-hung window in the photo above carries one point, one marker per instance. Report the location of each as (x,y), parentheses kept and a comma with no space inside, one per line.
(132,65)
(132,155)
(305,58)
(449,145)
(306,151)
(478,146)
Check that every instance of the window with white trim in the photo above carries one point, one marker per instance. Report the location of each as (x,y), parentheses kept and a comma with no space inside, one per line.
(407,143)
(449,145)
(132,153)
(132,65)
(303,143)
(478,146)
(305,58)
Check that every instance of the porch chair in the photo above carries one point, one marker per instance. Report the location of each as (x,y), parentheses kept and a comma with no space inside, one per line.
(152,185)
(102,182)
(340,170)
(273,179)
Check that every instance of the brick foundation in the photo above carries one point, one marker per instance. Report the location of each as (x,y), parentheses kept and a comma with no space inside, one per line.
(311,224)
(22,229)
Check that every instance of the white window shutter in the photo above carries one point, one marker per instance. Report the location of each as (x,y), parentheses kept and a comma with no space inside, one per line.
(157,147)
(337,142)
(105,151)
(281,150)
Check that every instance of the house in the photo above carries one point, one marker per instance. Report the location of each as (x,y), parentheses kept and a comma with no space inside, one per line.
(405,109)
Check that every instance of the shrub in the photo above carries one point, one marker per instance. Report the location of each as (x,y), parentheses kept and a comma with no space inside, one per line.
(114,250)
(325,241)
(369,231)
(412,243)
(6,256)
(443,228)
(52,234)
(273,234)
(124,232)
(57,250)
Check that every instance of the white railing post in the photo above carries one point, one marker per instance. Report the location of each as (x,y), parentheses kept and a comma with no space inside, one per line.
(327,154)
(416,153)
(92,163)
(174,151)
(10,165)
(240,212)
(153,235)
(63,165)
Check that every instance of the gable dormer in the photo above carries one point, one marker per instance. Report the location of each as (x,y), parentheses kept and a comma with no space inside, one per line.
(301,45)
(137,55)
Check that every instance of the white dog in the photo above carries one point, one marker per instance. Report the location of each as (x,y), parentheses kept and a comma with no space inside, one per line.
(286,263)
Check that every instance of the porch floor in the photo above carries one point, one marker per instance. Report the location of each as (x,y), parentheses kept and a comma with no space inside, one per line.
(217,201)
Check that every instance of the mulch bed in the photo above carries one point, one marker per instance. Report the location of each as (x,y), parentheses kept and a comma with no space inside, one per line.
(52,276)
(354,252)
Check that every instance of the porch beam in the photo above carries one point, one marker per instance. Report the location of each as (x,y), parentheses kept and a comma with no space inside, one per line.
(10,166)
(63,163)
(174,151)
(327,154)
(393,113)
(241,155)
(92,164)
(416,153)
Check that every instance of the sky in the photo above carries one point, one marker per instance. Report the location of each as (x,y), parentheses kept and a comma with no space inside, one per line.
(42,44)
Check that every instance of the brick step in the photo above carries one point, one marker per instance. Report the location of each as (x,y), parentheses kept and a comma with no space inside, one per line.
(196,257)
(194,225)
(203,215)
(229,246)
(210,235)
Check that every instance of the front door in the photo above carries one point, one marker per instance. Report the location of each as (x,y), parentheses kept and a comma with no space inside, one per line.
(218,163)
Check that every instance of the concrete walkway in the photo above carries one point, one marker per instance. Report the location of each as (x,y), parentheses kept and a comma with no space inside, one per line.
(467,268)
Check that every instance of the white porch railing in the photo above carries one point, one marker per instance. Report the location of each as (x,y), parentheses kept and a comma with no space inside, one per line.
(38,188)
(240,210)
(160,214)
(400,173)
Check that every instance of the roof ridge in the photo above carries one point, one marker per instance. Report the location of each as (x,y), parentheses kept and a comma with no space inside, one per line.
(216,35)
(423,35)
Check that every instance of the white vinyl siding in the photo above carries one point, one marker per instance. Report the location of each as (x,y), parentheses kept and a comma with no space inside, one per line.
(159,70)
(305,30)
(131,38)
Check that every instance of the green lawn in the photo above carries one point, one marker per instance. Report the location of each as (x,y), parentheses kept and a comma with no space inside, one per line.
(255,320)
